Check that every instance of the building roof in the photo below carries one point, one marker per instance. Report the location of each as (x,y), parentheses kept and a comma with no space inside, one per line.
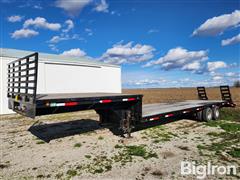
(54,58)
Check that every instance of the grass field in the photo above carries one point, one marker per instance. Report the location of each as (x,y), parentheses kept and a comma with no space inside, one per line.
(80,149)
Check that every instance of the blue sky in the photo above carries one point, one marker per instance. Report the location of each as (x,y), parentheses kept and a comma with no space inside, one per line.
(157,43)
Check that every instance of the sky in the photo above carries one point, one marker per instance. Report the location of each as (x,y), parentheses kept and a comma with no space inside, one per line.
(157,43)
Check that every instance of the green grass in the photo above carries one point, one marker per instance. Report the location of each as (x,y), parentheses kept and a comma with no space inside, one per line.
(117,146)
(216,134)
(136,150)
(201,146)
(77,145)
(59,175)
(230,114)
(140,151)
(227,140)
(230,127)
(40,142)
(158,134)
(123,155)
(99,164)
(225,125)
(88,156)
(235,153)
(71,172)
(100,138)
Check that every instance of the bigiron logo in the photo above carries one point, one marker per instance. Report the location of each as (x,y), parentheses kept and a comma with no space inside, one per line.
(201,171)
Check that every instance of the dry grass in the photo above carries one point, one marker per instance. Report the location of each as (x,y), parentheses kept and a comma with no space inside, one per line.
(179,94)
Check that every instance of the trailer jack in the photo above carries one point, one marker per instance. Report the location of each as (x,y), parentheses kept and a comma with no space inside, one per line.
(125,124)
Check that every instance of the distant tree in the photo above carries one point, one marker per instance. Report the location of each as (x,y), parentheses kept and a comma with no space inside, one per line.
(236,83)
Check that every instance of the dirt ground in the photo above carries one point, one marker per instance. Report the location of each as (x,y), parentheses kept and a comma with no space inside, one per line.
(74,146)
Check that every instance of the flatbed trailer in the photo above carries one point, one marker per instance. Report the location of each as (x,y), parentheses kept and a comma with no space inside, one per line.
(125,110)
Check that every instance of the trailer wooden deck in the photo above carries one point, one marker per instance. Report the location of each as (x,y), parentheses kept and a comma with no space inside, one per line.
(162,108)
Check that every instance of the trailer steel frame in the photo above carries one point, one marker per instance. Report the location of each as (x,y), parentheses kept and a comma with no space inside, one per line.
(126,110)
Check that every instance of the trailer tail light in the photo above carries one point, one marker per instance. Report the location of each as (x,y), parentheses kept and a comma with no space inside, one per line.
(71,104)
(105,101)
(129,99)
(169,115)
(154,118)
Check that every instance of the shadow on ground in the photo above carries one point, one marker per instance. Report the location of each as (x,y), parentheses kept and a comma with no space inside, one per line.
(48,132)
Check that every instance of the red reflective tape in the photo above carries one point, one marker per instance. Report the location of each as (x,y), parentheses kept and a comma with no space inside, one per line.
(154,118)
(169,115)
(106,101)
(186,111)
(71,103)
(131,99)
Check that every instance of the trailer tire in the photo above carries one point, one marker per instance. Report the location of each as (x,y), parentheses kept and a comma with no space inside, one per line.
(215,113)
(199,115)
(207,114)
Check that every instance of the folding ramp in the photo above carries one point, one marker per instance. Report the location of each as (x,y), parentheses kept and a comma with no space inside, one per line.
(202,95)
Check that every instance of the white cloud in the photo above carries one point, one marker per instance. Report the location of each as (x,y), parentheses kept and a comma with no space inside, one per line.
(89,31)
(230,41)
(37,7)
(53,47)
(24,33)
(72,7)
(74,53)
(57,39)
(15,18)
(217,25)
(115,13)
(64,37)
(216,78)
(230,74)
(180,58)
(153,31)
(211,66)
(147,82)
(69,24)
(194,66)
(40,22)
(102,6)
(128,53)
(233,74)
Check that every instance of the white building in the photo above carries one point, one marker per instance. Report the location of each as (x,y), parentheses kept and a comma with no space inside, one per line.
(61,74)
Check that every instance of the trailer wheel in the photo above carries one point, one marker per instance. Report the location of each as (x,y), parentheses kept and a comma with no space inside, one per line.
(199,115)
(207,114)
(215,113)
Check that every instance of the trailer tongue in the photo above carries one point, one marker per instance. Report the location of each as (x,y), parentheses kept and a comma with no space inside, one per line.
(126,110)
